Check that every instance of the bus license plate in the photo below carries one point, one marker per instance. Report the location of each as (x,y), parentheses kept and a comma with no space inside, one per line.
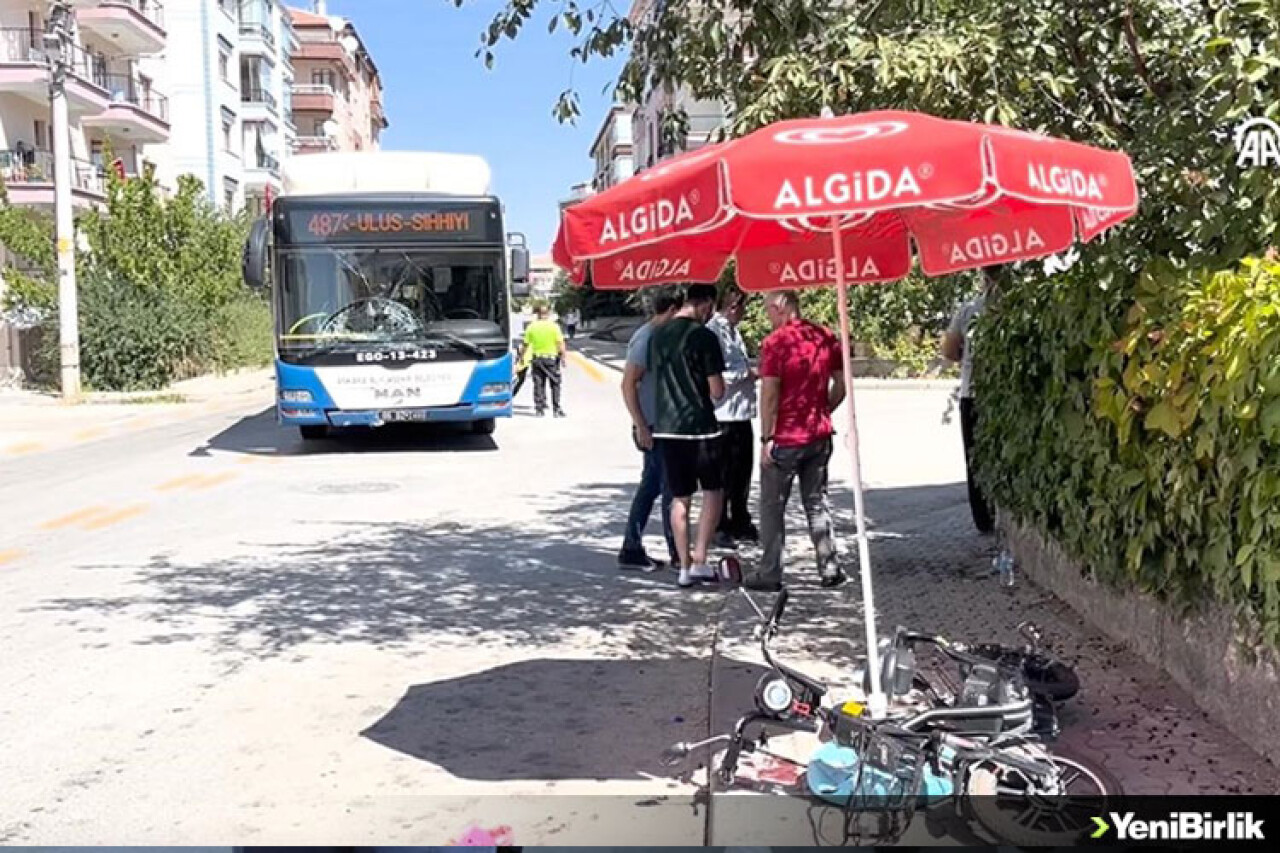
(393,416)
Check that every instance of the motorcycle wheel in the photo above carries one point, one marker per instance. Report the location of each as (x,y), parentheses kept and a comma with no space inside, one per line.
(1016,810)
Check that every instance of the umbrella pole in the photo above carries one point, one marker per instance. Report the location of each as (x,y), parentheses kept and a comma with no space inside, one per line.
(877,703)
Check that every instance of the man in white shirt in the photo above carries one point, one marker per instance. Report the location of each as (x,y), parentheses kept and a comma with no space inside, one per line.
(735,412)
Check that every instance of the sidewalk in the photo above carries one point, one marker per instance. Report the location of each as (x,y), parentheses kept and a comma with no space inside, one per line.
(932,573)
(35,422)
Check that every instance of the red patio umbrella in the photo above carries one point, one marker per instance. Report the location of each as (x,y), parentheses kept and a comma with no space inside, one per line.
(840,201)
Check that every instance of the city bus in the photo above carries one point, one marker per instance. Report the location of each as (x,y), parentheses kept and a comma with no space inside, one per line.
(391,279)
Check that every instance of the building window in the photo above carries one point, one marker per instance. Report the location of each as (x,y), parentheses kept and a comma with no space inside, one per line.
(228,124)
(42,135)
(324,77)
(317,127)
(229,7)
(229,187)
(224,61)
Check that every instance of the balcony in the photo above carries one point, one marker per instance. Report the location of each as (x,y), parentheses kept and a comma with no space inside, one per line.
(327,50)
(256,37)
(314,144)
(136,27)
(28,179)
(24,71)
(264,163)
(137,113)
(313,98)
(259,97)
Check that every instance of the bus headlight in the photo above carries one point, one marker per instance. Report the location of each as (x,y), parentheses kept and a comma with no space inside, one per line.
(296,396)
(496,388)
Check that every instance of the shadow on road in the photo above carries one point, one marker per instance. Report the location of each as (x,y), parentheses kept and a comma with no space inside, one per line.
(556,718)
(260,435)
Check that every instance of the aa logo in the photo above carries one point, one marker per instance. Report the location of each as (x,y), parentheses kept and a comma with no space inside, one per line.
(1257,144)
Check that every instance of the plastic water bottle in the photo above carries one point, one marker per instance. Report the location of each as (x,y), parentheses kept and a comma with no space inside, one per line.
(1003,565)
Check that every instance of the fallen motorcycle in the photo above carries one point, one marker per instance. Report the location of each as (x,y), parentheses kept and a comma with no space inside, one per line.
(976,746)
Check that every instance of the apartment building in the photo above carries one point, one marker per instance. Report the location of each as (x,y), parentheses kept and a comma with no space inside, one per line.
(228,68)
(705,117)
(612,149)
(337,99)
(119,114)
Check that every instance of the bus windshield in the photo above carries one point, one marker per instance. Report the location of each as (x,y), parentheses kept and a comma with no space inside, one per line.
(329,297)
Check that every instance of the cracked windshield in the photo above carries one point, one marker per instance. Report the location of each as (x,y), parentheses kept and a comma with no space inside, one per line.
(329,297)
(561,423)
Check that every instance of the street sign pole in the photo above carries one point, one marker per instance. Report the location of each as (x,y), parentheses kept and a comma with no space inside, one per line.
(57,41)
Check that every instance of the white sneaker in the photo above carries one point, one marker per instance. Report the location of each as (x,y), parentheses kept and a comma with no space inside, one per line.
(686,579)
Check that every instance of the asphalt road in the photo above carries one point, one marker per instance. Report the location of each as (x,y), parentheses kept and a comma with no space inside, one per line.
(214,633)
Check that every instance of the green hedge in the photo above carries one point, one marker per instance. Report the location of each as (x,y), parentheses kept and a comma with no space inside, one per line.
(1140,428)
(159,288)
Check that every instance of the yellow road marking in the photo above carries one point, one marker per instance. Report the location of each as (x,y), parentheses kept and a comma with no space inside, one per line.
(91,432)
(24,447)
(115,517)
(179,482)
(586,365)
(12,555)
(73,518)
(211,480)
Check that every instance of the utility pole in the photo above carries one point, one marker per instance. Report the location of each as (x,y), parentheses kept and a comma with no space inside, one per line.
(57,44)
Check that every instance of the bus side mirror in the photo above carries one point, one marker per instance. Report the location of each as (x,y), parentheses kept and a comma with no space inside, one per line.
(519,271)
(519,264)
(253,265)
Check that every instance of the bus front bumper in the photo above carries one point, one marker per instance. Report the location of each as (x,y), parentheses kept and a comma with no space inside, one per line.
(296,415)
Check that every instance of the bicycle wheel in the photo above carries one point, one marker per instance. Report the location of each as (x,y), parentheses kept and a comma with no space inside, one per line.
(1021,810)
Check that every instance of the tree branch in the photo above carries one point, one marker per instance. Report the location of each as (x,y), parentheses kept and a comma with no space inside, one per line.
(1135,51)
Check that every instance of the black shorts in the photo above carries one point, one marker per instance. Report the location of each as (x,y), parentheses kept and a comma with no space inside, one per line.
(692,463)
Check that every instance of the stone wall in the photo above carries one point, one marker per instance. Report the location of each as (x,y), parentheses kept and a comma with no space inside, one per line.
(1231,678)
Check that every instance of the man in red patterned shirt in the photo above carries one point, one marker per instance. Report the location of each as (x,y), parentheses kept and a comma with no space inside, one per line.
(802,383)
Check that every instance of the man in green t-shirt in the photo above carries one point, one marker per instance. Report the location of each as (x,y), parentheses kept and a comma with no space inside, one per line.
(544,343)
(687,364)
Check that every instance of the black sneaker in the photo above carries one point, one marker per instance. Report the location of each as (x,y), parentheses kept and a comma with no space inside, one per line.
(723,540)
(832,579)
(540,413)
(748,534)
(560,413)
(637,561)
(759,584)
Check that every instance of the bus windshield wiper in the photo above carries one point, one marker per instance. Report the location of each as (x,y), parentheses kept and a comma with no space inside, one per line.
(462,343)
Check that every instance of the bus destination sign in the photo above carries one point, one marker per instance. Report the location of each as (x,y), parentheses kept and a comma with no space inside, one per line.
(364,223)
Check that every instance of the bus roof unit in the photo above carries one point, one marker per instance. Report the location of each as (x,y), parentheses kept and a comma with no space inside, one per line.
(341,172)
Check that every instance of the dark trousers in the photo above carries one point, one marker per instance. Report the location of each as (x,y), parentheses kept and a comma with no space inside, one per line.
(739,442)
(546,370)
(978,506)
(808,463)
(652,485)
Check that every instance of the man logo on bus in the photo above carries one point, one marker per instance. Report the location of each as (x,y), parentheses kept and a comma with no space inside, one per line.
(1257,144)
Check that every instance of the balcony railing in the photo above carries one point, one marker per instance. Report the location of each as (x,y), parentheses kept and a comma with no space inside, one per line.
(257,29)
(25,46)
(149,9)
(36,167)
(314,143)
(267,163)
(125,89)
(312,89)
(258,95)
